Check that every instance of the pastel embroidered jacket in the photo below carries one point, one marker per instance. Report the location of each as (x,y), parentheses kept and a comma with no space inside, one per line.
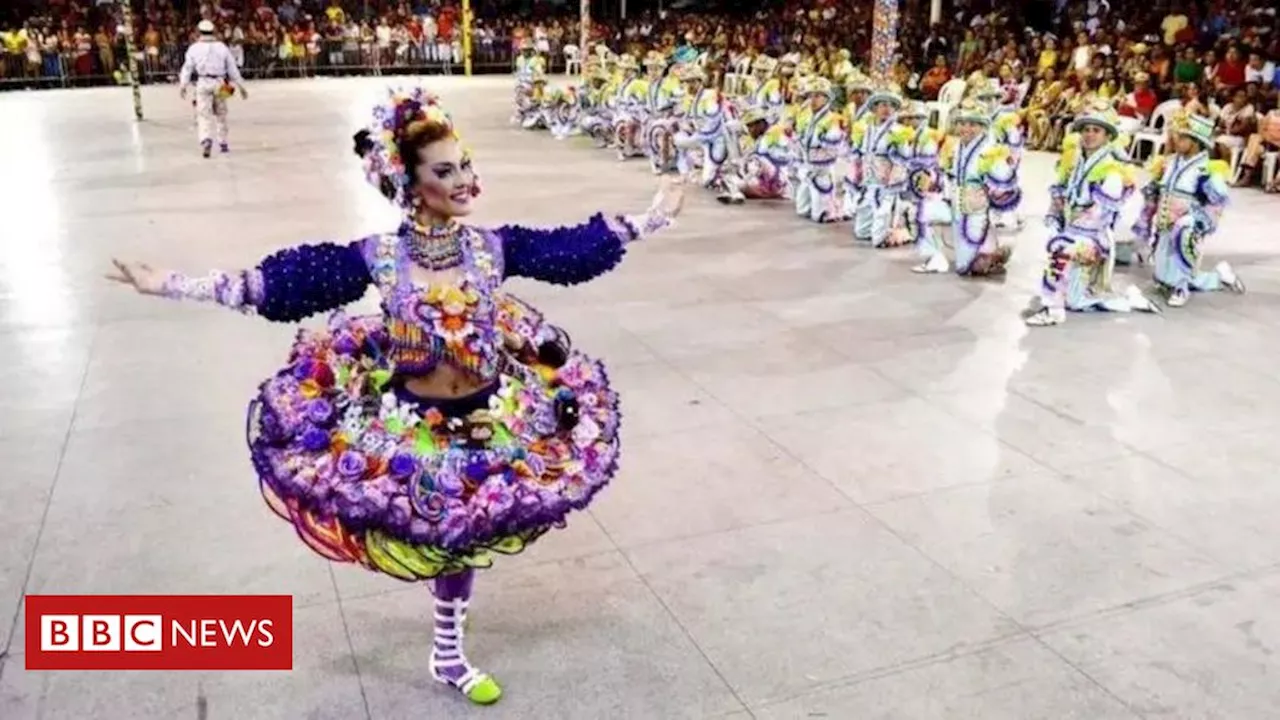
(1088,192)
(878,153)
(1183,192)
(819,135)
(981,175)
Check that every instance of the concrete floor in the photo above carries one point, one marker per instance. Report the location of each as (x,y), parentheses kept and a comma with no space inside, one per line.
(848,491)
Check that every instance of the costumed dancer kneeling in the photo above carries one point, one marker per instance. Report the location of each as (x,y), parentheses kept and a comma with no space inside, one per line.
(662,100)
(457,424)
(1008,132)
(922,206)
(216,76)
(596,119)
(629,109)
(980,180)
(857,90)
(708,135)
(761,172)
(564,112)
(878,169)
(1184,203)
(529,65)
(819,136)
(1093,182)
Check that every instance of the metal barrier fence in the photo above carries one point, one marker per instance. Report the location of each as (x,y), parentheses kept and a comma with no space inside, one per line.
(326,58)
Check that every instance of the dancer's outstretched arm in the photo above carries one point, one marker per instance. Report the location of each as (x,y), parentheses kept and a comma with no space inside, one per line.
(287,286)
(577,254)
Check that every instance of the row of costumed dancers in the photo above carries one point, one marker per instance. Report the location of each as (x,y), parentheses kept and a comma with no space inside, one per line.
(954,195)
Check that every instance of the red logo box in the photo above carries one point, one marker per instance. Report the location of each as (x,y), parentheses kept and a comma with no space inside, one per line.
(159,632)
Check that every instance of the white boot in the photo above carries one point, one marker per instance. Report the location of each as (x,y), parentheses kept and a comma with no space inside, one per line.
(1229,279)
(937,263)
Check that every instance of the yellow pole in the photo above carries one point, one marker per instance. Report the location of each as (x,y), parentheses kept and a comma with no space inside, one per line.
(466,37)
(131,61)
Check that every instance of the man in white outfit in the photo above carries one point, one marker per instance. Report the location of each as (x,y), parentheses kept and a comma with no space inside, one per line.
(211,66)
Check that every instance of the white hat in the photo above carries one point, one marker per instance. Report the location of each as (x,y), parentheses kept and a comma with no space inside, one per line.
(205,27)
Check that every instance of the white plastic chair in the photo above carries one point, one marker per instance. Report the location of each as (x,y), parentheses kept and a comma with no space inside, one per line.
(735,80)
(572,60)
(1237,149)
(948,97)
(1154,134)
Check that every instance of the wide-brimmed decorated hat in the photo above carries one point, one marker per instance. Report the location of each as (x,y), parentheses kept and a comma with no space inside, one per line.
(857,82)
(970,111)
(753,115)
(887,93)
(1098,114)
(913,109)
(816,85)
(988,92)
(654,59)
(1196,127)
(692,73)
(628,62)
(764,64)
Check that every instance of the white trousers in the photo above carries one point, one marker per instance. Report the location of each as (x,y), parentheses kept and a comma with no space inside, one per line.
(211,111)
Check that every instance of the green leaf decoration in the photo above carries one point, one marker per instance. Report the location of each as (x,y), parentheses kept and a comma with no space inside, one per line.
(380,378)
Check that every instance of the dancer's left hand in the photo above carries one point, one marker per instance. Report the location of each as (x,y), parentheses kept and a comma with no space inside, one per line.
(670,198)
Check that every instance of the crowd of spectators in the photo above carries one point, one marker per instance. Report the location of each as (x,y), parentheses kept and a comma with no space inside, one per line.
(1209,56)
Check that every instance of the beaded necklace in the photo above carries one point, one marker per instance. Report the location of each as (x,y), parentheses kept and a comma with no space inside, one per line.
(437,247)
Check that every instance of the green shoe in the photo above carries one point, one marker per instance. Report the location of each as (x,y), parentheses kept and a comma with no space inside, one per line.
(480,688)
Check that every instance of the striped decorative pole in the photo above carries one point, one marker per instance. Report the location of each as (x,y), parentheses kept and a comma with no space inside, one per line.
(584,26)
(132,61)
(466,37)
(884,40)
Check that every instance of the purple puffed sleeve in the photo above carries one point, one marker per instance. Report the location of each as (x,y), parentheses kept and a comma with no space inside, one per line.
(287,286)
(575,254)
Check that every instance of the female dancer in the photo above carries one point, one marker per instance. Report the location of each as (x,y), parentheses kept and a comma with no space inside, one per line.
(456,424)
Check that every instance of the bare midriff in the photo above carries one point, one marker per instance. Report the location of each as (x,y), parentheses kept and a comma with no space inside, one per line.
(443,383)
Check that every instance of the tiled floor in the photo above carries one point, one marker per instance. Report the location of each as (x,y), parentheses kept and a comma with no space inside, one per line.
(849,491)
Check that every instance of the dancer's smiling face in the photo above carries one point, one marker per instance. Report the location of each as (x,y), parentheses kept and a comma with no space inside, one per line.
(1093,137)
(445,183)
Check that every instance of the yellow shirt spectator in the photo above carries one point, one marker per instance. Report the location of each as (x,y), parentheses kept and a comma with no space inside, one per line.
(1048,59)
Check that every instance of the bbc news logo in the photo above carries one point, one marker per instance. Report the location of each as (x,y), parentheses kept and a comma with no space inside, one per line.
(159,632)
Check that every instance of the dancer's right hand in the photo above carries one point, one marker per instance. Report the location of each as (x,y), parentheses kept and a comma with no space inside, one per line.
(141,276)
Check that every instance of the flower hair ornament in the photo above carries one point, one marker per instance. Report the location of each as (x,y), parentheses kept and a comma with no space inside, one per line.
(378,145)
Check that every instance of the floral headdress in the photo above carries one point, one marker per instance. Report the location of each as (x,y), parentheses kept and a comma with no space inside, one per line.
(384,168)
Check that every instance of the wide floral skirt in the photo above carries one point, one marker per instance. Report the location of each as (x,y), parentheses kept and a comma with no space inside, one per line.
(367,473)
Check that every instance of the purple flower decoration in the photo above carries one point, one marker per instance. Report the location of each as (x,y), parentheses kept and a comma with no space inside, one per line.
(320,412)
(352,464)
(315,440)
(477,470)
(302,369)
(454,530)
(403,466)
(449,484)
(398,514)
(345,343)
(432,507)
(495,498)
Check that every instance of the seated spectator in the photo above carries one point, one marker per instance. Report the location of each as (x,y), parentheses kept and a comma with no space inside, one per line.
(1236,123)
(1231,71)
(935,78)
(1142,102)
(1259,71)
(1266,140)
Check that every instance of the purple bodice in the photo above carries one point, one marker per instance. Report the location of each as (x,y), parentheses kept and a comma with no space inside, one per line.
(453,322)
